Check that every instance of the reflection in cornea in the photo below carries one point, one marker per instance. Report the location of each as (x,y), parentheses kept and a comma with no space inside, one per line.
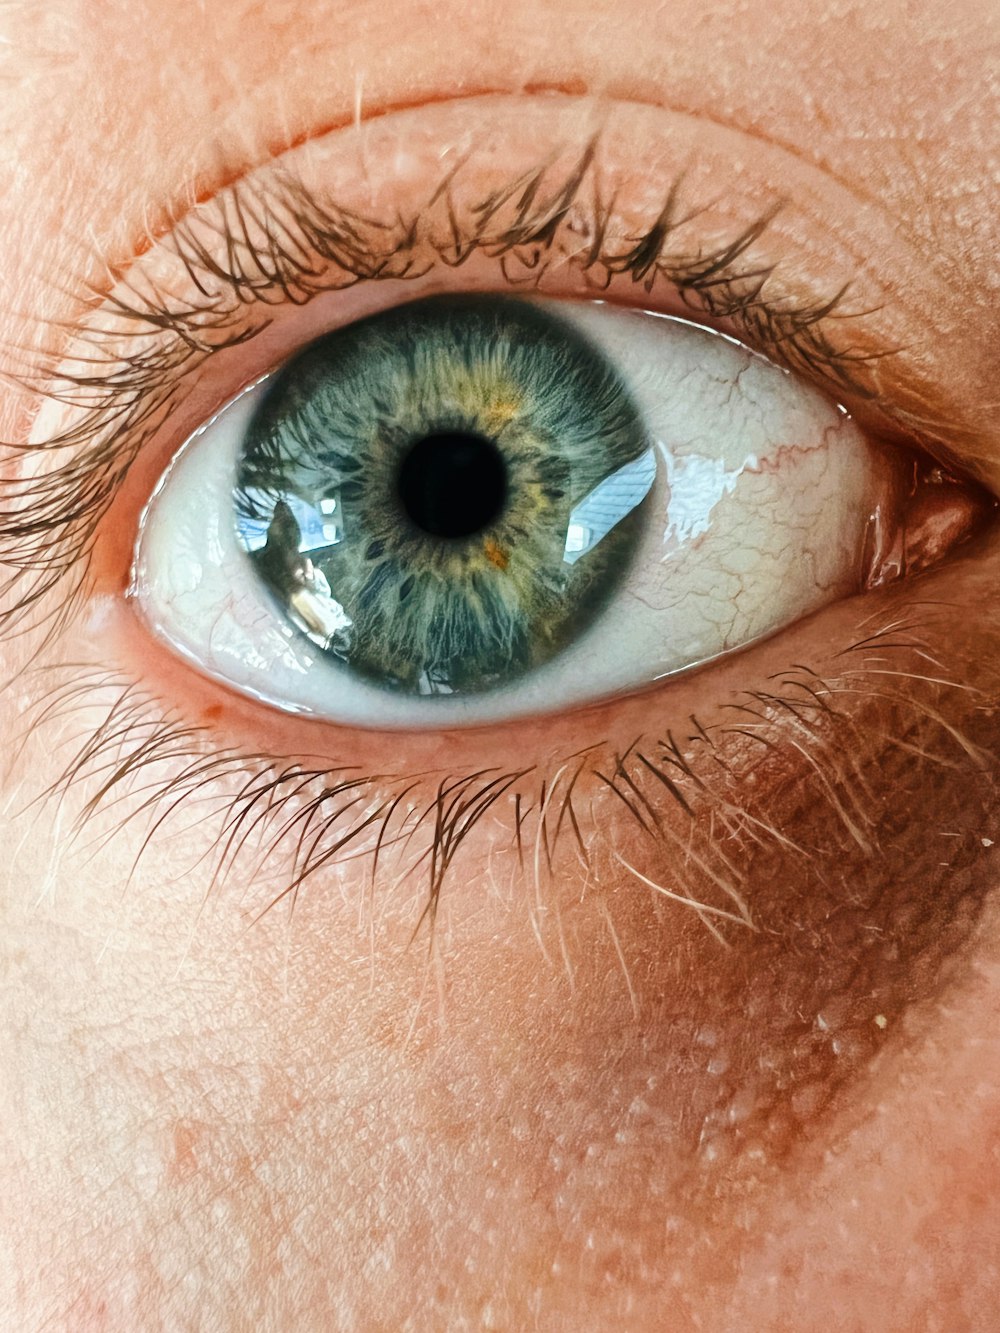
(607,504)
(696,485)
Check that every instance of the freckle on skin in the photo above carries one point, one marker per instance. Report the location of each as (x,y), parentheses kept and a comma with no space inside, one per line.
(184,1161)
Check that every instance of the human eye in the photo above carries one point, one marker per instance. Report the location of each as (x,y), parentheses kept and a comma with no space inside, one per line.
(354,231)
(478,507)
(533,1010)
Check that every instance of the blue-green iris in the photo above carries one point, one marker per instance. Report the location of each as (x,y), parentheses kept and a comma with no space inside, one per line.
(427,492)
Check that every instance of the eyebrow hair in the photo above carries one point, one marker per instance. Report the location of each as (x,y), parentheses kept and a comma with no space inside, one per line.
(268,240)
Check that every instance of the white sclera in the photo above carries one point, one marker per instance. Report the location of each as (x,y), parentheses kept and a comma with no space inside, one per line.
(758,515)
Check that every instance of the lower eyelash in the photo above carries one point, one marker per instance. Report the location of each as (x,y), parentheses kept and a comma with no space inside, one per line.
(740,784)
(272,805)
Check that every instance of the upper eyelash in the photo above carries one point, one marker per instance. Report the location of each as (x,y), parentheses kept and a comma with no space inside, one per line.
(49,522)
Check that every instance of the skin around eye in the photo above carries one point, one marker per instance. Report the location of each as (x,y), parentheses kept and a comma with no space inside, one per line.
(743,501)
(313,1123)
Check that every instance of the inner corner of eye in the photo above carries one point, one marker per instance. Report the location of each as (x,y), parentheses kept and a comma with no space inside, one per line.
(471,507)
(927,512)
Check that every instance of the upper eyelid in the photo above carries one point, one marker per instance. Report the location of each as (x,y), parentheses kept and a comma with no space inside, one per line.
(256,244)
(297,227)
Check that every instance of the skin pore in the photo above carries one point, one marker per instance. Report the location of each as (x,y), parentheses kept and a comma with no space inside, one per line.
(567,1100)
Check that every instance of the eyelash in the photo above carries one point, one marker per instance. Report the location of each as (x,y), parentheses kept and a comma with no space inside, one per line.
(48,529)
(150,764)
(49,524)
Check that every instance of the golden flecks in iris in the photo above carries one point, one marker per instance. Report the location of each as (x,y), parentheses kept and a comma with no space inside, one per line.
(486,394)
(495,554)
(501,413)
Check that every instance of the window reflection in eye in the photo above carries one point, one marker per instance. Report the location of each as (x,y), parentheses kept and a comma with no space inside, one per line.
(465,509)
(470,448)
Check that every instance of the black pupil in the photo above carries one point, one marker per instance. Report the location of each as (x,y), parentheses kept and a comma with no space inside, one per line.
(453,484)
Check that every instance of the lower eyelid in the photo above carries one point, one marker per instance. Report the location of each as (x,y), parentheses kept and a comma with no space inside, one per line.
(610,727)
(803,806)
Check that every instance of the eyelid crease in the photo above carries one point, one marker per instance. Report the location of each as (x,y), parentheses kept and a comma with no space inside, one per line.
(274,241)
(229,175)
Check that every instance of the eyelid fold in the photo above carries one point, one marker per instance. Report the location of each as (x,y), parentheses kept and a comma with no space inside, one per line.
(563,195)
